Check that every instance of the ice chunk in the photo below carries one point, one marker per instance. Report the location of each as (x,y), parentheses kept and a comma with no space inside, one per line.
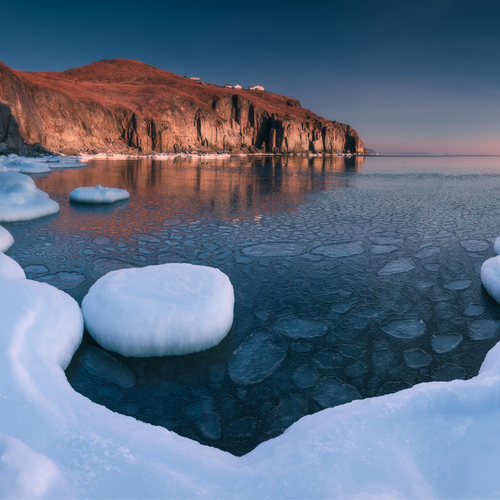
(64,280)
(305,376)
(475,245)
(458,285)
(160,310)
(427,252)
(274,250)
(256,359)
(103,365)
(339,250)
(449,372)
(6,239)
(383,248)
(474,310)
(397,266)
(21,200)
(417,358)
(301,328)
(330,392)
(483,329)
(404,328)
(445,343)
(9,268)
(98,194)
(24,165)
(490,276)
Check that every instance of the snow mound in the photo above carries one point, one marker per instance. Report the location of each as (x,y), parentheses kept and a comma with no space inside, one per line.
(10,269)
(21,200)
(6,239)
(496,246)
(98,194)
(160,310)
(490,276)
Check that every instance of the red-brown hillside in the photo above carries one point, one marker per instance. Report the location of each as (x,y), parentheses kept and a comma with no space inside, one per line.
(118,104)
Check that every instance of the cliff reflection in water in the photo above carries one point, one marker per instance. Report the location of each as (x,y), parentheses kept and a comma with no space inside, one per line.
(230,188)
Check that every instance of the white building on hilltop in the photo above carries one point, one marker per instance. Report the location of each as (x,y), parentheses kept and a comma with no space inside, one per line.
(238,87)
(257,87)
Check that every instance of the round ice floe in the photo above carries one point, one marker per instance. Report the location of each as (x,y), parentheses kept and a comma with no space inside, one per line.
(9,268)
(404,328)
(339,250)
(6,239)
(445,343)
(490,276)
(160,310)
(475,245)
(98,194)
(274,250)
(256,359)
(397,266)
(301,328)
(21,200)
(483,329)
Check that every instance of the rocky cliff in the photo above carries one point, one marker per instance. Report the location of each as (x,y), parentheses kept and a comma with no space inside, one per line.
(121,105)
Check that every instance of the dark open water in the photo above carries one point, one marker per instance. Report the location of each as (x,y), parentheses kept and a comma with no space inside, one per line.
(353,278)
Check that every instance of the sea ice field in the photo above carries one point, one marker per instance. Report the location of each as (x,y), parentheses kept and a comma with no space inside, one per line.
(352,368)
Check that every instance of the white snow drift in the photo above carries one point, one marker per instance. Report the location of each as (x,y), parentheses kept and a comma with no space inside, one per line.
(490,276)
(6,239)
(98,194)
(14,163)
(160,310)
(435,440)
(21,200)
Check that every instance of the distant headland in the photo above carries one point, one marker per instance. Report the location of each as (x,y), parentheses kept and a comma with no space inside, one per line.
(124,106)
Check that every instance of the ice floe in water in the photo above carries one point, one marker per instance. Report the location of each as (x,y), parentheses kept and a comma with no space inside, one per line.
(417,358)
(490,277)
(330,392)
(338,250)
(474,310)
(274,250)
(256,359)
(21,200)
(458,285)
(98,194)
(427,252)
(404,328)
(475,245)
(397,266)
(301,328)
(383,248)
(23,165)
(445,343)
(483,329)
(305,376)
(103,365)
(6,239)
(168,309)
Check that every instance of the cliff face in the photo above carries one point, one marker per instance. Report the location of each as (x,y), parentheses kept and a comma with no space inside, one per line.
(120,105)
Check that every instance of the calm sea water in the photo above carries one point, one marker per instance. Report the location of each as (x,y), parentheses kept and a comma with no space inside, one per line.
(353,278)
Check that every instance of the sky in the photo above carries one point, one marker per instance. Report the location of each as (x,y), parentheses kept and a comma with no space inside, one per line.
(407,76)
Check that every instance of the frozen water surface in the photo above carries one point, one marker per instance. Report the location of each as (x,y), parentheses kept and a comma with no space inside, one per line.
(330,282)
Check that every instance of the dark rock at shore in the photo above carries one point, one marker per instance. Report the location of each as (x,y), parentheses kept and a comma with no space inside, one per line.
(119,105)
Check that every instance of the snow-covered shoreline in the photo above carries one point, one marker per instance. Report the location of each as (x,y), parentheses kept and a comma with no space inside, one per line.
(435,440)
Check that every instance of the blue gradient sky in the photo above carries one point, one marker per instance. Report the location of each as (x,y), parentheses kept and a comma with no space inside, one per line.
(406,76)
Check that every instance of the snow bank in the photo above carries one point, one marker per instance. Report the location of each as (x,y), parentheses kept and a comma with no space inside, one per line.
(10,269)
(160,310)
(490,276)
(98,194)
(21,200)
(435,440)
(6,239)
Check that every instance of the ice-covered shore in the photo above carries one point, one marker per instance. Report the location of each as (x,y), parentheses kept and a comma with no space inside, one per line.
(435,440)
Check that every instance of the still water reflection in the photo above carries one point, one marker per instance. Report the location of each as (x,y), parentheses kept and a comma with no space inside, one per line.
(351,280)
